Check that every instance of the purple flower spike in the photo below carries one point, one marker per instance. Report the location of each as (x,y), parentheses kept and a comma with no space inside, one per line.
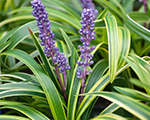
(87,33)
(46,35)
(88,4)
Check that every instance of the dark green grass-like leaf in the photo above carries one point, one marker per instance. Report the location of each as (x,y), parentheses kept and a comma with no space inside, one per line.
(136,108)
(17,37)
(50,90)
(28,111)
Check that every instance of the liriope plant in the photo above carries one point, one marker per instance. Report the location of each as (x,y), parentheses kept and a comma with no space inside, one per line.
(49,94)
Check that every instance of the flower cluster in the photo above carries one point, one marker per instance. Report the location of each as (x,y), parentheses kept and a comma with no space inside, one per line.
(88,4)
(87,33)
(46,35)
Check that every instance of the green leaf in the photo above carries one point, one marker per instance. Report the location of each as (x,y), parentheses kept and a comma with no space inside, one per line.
(8,35)
(112,33)
(17,37)
(124,45)
(103,14)
(98,70)
(73,59)
(131,105)
(50,90)
(21,92)
(64,17)
(109,117)
(47,65)
(64,6)
(137,28)
(98,86)
(110,109)
(22,86)
(139,83)
(12,117)
(141,68)
(133,93)
(28,111)
(17,18)
(73,85)
(110,6)
(4,45)
(139,16)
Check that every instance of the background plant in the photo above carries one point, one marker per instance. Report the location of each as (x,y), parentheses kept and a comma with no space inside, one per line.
(116,27)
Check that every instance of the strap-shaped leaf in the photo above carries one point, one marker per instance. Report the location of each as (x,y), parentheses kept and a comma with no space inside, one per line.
(73,85)
(110,109)
(12,117)
(133,93)
(98,86)
(141,68)
(50,90)
(109,117)
(28,111)
(137,28)
(21,92)
(123,46)
(4,45)
(47,65)
(110,6)
(21,85)
(112,35)
(98,70)
(131,105)
(64,6)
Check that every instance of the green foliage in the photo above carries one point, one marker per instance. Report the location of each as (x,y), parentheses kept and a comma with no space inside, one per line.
(29,88)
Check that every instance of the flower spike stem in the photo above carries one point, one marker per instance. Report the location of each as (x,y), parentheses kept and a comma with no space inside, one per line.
(145,9)
(87,32)
(61,84)
(58,74)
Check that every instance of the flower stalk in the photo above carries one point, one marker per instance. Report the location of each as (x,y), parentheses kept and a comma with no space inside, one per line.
(87,32)
(50,50)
